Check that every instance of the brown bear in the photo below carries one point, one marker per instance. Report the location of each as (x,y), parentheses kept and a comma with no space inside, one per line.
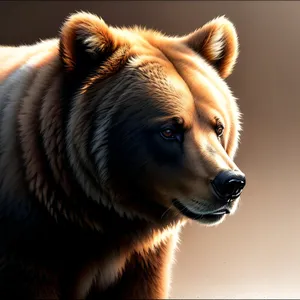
(111,139)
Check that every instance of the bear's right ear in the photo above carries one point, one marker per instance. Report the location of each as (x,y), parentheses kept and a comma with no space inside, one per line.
(217,42)
(85,40)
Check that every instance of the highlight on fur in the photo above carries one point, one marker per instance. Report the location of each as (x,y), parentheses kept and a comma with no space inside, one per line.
(104,130)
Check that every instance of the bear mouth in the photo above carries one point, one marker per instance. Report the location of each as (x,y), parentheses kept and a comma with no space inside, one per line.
(210,217)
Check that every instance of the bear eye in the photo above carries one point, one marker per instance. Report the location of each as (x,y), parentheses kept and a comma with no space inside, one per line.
(168,134)
(219,129)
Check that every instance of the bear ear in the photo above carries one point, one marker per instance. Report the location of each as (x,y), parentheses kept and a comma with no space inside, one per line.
(85,39)
(217,42)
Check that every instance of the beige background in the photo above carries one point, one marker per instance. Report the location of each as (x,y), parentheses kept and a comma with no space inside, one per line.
(256,253)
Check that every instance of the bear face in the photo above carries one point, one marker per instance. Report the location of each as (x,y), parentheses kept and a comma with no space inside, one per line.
(154,127)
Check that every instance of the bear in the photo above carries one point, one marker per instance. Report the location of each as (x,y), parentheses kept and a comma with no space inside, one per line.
(111,140)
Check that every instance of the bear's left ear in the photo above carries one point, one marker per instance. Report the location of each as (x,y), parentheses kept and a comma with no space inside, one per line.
(85,40)
(217,42)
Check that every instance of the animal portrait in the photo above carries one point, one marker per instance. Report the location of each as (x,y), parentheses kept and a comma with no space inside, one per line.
(111,140)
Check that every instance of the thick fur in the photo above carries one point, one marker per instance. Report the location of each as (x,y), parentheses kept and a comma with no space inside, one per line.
(86,180)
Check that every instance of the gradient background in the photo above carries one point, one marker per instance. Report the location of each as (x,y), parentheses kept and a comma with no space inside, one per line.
(255,253)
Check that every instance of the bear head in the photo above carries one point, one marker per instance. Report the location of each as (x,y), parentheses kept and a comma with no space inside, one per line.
(153,128)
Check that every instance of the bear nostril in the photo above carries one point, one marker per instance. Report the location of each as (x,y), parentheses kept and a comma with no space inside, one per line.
(228,185)
(234,186)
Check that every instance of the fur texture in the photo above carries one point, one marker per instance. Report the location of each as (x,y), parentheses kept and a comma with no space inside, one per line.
(86,178)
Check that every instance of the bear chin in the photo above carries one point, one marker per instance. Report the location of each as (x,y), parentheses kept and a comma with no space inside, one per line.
(214,218)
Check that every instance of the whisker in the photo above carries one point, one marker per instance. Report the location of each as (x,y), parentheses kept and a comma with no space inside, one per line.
(166,211)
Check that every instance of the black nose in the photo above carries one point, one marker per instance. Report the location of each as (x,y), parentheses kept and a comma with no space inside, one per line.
(228,185)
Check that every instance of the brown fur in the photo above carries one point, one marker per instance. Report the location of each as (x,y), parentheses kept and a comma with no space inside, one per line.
(86,183)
